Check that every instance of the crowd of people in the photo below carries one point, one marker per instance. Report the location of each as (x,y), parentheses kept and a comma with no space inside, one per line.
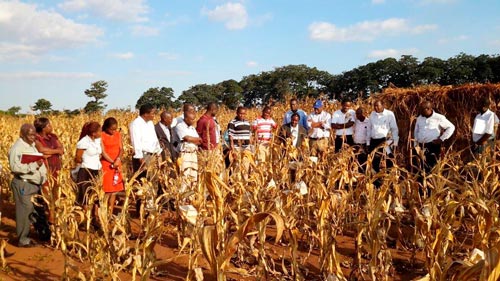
(188,143)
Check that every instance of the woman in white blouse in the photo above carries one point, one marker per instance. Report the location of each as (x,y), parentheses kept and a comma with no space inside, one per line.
(88,155)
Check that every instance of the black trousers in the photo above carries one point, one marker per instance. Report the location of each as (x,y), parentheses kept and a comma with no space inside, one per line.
(378,147)
(340,140)
(361,152)
(431,155)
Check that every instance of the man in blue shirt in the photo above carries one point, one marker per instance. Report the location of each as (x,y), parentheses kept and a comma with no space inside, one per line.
(294,108)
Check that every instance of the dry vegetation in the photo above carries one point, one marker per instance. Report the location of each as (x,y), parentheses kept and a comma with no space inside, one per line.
(242,215)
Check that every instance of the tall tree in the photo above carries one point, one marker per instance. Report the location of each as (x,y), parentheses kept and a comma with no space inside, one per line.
(158,97)
(42,105)
(98,92)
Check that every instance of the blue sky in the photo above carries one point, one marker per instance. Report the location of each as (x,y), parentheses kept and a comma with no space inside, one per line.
(56,49)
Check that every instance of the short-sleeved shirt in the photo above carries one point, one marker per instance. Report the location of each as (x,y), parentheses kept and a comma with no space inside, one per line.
(239,131)
(323,117)
(51,141)
(92,155)
(483,124)
(340,117)
(183,130)
(264,129)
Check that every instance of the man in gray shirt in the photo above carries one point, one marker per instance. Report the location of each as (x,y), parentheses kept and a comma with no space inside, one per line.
(28,178)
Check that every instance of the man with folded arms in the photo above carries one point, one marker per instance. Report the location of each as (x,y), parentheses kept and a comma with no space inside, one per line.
(28,178)
(190,141)
(431,129)
(319,122)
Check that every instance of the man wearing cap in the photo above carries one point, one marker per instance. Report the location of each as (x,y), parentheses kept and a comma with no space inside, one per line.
(28,177)
(319,122)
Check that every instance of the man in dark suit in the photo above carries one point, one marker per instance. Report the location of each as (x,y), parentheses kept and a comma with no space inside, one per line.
(164,134)
(294,133)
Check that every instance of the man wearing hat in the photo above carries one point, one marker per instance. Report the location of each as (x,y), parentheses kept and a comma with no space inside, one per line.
(319,122)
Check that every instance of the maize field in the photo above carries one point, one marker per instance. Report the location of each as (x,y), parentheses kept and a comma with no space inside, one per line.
(250,222)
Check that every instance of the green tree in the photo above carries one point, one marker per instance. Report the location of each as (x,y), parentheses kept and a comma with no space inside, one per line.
(231,94)
(158,97)
(98,92)
(431,71)
(42,105)
(201,94)
(14,110)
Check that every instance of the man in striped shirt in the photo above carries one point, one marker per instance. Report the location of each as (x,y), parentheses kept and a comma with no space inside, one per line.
(239,130)
(263,128)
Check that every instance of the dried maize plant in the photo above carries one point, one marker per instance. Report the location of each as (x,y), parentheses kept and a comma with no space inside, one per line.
(436,217)
(375,222)
(217,241)
(330,215)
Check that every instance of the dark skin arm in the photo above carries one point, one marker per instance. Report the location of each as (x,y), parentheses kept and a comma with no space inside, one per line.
(78,157)
(337,126)
(194,140)
(49,151)
(114,162)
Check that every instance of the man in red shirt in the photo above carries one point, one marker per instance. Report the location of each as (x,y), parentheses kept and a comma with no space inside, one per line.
(209,131)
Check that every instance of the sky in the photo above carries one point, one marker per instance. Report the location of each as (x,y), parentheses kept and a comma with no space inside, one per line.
(56,49)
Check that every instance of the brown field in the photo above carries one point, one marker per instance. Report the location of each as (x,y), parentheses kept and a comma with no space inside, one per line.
(257,226)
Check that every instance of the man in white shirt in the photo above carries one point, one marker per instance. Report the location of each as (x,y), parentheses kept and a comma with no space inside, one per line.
(143,138)
(146,145)
(319,122)
(359,138)
(483,131)
(190,140)
(382,132)
(431,129)
(342,123)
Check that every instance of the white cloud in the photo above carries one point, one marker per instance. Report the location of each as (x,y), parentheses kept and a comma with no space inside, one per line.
(118,10)
(147,31)
(495,43)
(168,56)
(28,32)
(45,75)
(364,31)
(233,15)
(453,39)
(123,56)
(252,64)
(375,2)
(391,53)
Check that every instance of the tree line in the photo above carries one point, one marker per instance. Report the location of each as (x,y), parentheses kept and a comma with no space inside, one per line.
(303,81)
